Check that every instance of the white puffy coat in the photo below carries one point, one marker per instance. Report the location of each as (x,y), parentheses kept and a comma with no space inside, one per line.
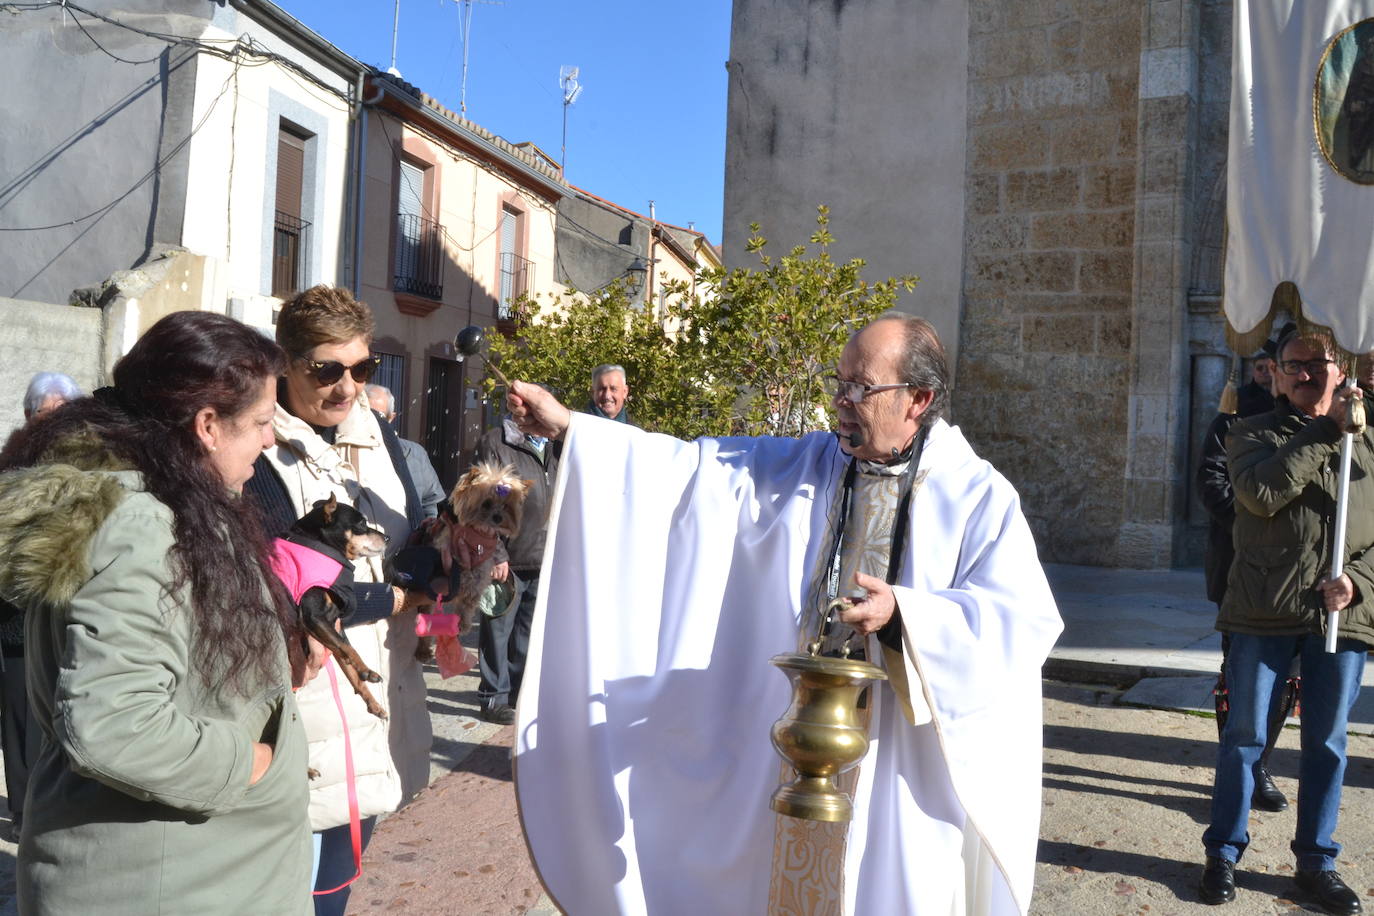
(390,758)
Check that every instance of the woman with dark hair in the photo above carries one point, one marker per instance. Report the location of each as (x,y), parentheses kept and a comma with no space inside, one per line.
(172,774)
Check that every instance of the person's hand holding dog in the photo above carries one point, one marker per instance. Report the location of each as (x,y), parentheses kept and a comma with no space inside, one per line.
(412,599)
(304,670)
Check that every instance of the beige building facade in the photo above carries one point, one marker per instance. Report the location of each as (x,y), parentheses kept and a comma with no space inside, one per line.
(457,225)
(1054,171)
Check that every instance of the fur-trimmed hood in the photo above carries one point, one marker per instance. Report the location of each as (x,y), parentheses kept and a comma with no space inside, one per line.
(49,514)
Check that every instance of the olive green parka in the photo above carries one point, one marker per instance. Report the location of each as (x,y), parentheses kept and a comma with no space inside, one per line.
(139,802)
(1284,469)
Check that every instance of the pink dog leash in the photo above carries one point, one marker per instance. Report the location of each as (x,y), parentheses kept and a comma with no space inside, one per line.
(355,824)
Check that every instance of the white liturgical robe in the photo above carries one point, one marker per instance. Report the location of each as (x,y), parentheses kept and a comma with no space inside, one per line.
(673,572)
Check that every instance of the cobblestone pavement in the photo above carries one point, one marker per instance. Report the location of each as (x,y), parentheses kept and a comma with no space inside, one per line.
(1126,793)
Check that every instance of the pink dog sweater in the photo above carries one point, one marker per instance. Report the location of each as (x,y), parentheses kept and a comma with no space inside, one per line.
(305,564)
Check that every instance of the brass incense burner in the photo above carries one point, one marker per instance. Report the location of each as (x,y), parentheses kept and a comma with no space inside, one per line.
(820,734)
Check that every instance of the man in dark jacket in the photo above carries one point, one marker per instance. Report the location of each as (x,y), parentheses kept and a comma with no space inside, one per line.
(1283,471)
(1256,395)
(503,640)
(1214,489)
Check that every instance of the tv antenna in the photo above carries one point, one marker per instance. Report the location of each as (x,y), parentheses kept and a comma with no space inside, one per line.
(395,28)
(465,30)
(567,81)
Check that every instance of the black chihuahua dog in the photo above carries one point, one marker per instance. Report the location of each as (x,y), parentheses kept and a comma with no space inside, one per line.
(315,561)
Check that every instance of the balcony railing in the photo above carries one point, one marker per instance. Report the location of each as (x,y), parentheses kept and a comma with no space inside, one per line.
(419,257)
(290,242)
(517,277)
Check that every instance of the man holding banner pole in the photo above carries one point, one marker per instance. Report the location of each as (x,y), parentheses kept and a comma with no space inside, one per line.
(1284,468)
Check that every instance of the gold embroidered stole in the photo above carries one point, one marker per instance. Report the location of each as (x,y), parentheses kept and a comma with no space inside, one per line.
(808,856)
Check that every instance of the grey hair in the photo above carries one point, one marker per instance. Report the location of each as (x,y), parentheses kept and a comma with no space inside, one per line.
(924,364)
(608,367)
(371,389)
(49,383)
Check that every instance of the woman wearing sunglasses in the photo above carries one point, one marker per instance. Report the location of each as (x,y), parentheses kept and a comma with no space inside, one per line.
(328,441)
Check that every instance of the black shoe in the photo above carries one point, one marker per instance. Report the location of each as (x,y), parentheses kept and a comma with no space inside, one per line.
(501,715)
(1218,881)
(1328,891)
(1267,796)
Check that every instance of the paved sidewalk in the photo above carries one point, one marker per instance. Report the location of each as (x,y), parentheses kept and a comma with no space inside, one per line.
(1152,631)
(1117,779)
(458,847)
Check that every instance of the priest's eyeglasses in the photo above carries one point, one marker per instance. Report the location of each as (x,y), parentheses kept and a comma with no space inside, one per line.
(1313,366)
(854,392)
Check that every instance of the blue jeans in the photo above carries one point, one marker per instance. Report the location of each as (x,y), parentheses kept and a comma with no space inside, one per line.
(1256,668)
(334,865)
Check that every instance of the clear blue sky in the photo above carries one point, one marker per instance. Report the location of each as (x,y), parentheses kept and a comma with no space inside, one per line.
(649,124)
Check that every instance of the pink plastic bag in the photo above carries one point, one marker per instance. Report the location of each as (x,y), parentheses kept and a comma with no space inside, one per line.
(453,657)
(437,624)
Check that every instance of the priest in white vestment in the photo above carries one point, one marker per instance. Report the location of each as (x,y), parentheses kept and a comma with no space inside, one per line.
(676,570)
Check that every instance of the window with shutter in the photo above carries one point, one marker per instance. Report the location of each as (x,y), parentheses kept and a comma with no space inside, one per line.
(290,230)
(418,256)
(515,269)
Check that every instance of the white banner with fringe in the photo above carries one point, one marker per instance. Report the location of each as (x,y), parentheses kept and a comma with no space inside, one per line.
(1300,186)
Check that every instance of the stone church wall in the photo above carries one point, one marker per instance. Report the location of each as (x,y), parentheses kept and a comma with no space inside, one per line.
(1044,366)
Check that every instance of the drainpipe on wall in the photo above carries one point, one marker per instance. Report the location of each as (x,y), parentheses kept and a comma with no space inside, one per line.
(357,180)
(360,163)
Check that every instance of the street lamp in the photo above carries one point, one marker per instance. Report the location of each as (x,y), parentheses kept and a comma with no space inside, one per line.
(635,275)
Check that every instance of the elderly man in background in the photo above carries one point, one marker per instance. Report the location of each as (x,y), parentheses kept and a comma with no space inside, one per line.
(422,473)
(1214,489)
(49,391)
(19,736)
(1283,472)
(609,393)
(676,570)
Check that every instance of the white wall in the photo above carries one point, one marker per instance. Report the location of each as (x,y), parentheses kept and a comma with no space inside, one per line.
(232,183)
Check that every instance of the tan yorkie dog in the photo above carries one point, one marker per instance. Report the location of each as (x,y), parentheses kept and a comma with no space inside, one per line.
(488,500)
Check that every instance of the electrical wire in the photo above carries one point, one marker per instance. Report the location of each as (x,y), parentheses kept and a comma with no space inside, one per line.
(533,202)
(207,45)
(147,176)
(244,45)
(243,51)
(108,53)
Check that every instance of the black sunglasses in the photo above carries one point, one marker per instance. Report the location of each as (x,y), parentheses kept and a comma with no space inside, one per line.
(330,371)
